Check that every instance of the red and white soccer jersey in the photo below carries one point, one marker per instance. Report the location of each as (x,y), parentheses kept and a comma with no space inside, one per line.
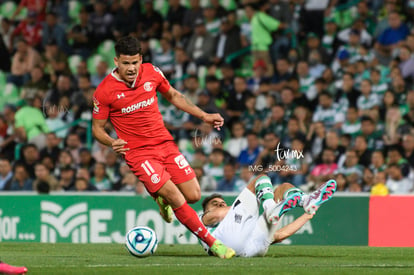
(133,110)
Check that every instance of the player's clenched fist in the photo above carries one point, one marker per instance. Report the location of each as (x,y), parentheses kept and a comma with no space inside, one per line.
(214,119)
(118,146)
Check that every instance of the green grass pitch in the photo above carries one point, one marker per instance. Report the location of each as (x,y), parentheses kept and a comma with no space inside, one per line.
(113,259)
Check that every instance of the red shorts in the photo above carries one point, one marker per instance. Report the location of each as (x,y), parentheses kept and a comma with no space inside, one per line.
(155,165)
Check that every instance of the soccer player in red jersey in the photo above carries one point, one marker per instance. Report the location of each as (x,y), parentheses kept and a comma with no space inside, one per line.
(128,98)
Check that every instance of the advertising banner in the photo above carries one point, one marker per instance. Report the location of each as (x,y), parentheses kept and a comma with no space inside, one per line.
(106,219)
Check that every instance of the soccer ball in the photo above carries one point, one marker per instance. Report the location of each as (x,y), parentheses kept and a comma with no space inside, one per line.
(141,241)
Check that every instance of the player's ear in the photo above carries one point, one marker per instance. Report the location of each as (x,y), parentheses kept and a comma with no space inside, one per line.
(116,61)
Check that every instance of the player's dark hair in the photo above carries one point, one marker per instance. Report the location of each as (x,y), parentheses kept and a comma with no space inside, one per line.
(128,45)
(209,198)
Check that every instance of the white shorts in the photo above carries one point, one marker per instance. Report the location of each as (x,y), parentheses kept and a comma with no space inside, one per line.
(243,229)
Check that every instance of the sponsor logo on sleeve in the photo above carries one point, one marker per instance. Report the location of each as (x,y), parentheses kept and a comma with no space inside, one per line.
(95,106)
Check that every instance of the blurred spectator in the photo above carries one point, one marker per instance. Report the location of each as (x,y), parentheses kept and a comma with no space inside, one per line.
(6,30)
(175,14)
(100,152)
(53,31)
(377,163)
(81,35)
(56,123)
(215,165)
(313,43)
(396,182)
(29,157)
(408,146)
(55,60)
(29,30)
(351,169)
(407,63)
(262,26)
(30,125)
(85,159)
(352,124)
(38,84)
(227,43)
(100,179)
(126,19)
(129,182)
(367,100)
(42,174)
(201,45)
(306,81)
(207,182)
(82,184)
(73,144)
(327,111)
(163,57)
(395,156)
(112,167)
(238,141)
(183,68)
(372,136)
(316,137)
(24,61)
(150,21)
(21,180)
(236,100)
(211,19)
(6,173)
(250,118)
(249,155)
(52,147)
(67,178)
(379,187)
(191,15)
(282,74)
(101,73)
(391,36)
(361,148)
(324,171)
(32,6)
(102,22)
(230,182)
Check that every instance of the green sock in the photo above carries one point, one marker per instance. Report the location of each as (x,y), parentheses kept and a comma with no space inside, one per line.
(264,192)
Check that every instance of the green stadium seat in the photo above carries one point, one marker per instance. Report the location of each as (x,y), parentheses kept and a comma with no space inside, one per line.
(161,6)
(229,4)
(74,61)
(74,9)
(11,94)
(202,73)
(154,44)
(7,9)
(3,80)
(22,14)
(107,50)
(93,61)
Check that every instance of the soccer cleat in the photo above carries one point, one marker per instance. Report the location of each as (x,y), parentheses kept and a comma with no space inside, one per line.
(282,207)
(222,251)
(9,269)
(166,211)
(321,195)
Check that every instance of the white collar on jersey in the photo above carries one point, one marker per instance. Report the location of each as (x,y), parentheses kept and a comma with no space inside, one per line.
(120,80)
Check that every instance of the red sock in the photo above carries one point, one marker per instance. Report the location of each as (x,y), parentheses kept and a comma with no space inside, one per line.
(188,217)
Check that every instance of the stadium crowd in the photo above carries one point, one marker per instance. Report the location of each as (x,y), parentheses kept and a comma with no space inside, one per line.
(309,89)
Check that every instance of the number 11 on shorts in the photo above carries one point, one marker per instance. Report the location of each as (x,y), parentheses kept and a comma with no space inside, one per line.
(147,168)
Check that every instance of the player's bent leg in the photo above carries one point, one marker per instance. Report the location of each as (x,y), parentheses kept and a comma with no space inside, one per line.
(188,217)
(191,190)
(319,196)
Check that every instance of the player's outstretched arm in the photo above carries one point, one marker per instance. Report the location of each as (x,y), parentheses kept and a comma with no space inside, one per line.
(290,229)
(183,103)
(98,131)
(215,216)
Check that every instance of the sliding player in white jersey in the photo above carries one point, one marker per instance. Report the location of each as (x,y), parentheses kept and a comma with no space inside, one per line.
(241,226)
